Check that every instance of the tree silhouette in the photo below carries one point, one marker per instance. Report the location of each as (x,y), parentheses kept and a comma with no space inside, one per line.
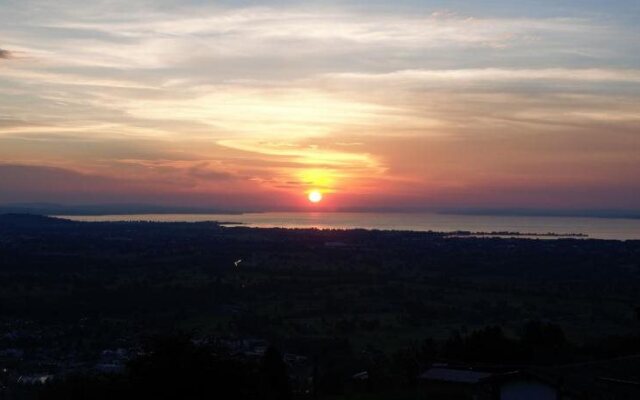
(275,383)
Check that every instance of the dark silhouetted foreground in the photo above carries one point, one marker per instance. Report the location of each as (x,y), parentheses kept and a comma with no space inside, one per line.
(91,311)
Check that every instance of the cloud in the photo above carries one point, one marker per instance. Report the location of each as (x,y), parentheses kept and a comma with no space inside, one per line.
(29,183)
(21,179)
(305,155)
(36,76)
(203,171)
(278,24)
(318,38)
(412,77)
(205,99)
(5,54)
(257,111)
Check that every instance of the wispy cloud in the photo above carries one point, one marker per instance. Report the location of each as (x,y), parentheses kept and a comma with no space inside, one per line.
(191,36)
(198,98)
(412,77)
(305,155)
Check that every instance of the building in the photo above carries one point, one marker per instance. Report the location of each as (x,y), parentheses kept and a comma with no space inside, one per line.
(470,384)
(611,379)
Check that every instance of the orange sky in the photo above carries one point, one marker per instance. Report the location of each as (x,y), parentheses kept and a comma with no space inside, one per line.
(404,107)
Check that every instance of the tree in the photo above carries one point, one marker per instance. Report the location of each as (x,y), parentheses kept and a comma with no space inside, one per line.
(543,343)
(275,383)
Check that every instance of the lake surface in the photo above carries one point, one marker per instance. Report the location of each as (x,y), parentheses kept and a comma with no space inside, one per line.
(595,228)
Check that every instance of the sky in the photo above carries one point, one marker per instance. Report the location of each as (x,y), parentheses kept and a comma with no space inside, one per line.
(377,104)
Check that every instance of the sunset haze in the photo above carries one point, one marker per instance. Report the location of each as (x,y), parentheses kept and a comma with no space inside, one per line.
(376,105)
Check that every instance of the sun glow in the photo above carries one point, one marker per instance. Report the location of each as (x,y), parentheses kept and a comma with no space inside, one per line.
(315,196)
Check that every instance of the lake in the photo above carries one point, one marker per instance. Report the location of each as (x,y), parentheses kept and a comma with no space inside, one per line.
(595,228)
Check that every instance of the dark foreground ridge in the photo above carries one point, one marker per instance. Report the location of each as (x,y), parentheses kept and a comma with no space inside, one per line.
(198,310)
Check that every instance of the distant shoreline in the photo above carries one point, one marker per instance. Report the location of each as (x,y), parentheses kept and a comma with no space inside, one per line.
(230,224)
(460,225)
(456,233)
(532,214)
(147,209)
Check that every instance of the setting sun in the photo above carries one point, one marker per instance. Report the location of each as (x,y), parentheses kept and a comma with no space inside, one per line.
(315,196)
